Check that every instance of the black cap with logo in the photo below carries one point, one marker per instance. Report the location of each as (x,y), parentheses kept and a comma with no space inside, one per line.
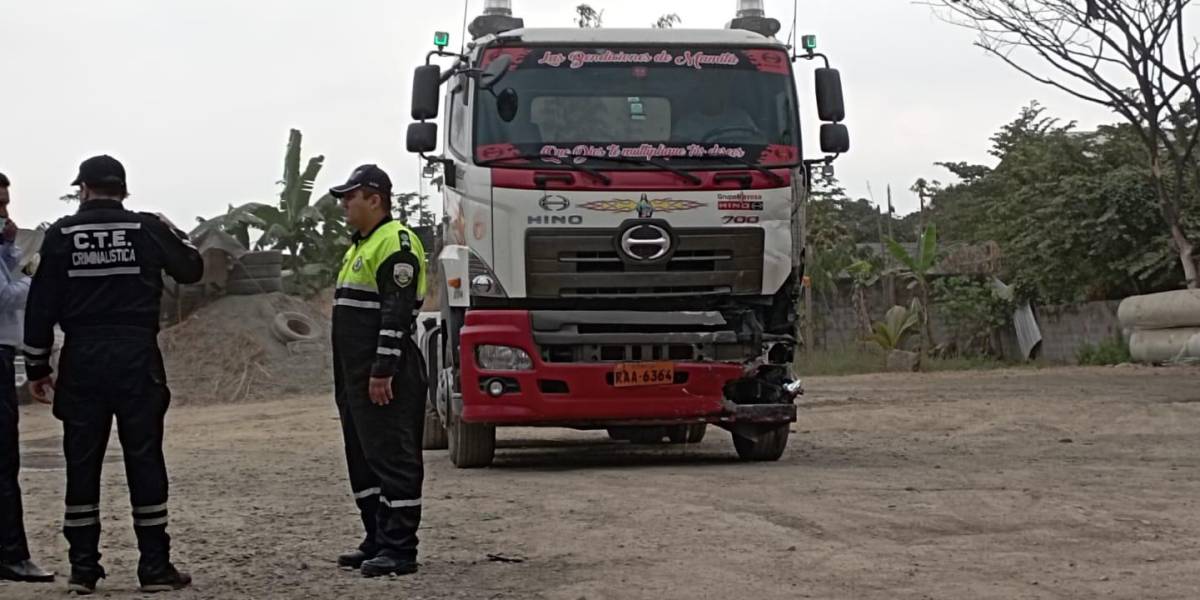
(368,176)
(101,170)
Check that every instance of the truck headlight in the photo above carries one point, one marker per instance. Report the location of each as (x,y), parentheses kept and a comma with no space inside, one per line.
(503,358)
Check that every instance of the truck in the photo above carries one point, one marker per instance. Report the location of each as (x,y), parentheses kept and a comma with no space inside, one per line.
(622,240)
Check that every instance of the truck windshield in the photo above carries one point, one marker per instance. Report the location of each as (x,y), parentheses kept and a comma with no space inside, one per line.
(687,106)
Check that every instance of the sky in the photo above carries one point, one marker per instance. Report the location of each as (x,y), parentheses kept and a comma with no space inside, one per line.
(196,97)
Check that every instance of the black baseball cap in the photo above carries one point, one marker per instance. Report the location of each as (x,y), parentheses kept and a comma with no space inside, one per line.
(369,176)
(101,170)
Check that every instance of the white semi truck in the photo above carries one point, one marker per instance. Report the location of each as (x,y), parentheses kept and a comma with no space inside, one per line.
(621,247)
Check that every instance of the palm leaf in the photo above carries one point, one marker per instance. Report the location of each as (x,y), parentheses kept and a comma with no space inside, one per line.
(928,249)
(902,255)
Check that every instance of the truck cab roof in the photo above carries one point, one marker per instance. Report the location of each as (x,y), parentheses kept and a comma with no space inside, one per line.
(640,37)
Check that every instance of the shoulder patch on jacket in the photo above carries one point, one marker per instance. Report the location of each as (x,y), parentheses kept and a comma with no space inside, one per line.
(403,274)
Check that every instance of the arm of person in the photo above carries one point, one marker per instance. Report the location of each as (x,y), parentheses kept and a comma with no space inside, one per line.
(42,311)
(182,261)
(398,279)
(15,291)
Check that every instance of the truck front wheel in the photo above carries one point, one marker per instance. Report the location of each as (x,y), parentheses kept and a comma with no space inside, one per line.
(472,446)
(687,434)
(768,445)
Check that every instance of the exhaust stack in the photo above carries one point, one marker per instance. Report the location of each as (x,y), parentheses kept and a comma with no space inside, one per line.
(497,7)
(751,8)
(496,19)
(751,16)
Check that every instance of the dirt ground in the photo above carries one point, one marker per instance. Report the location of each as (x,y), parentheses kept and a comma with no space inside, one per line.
(1070,483)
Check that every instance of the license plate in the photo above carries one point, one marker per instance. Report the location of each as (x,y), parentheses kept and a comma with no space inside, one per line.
(644,374)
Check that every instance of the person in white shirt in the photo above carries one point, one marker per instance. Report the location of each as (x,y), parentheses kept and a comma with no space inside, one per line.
(15,563)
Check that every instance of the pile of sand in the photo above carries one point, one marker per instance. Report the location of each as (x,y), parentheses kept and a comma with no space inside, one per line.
(227,353)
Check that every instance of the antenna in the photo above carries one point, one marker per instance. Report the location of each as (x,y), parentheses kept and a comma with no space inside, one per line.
(466,9)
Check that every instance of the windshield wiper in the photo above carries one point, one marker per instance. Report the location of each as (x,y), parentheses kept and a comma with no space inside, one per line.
(741,161)
(601,177)
(658,162)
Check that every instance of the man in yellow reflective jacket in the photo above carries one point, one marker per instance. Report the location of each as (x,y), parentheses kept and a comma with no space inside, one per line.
(379,374)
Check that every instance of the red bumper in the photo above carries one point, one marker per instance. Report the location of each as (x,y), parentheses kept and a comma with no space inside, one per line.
(589,397)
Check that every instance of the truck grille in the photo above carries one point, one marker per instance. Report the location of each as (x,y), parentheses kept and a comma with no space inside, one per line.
(600,337)
(575,263)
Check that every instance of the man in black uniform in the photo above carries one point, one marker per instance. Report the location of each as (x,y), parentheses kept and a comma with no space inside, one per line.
(379,374)
(100,279)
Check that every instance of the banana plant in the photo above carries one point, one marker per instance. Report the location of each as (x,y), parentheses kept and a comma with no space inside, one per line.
(897,325)
(289,225)
(918,269)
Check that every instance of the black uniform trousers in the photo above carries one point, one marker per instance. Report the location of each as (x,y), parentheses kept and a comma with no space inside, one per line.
(110,372)
(13,546)
(383,446)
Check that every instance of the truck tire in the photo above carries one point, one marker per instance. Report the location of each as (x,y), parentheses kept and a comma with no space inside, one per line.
(687,434)
(646,435)
(472,446)
(435,436)
(772,441)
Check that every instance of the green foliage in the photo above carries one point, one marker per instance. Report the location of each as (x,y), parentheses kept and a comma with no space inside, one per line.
(1112,351)
(898,324)
(412,209)
(311,236)
(973,311)
(667,21)
(919,265)
(1075,213)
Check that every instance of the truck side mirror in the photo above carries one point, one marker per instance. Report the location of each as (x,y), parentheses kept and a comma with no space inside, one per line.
(426,96)
(831,106)
(422,137)
(835,138)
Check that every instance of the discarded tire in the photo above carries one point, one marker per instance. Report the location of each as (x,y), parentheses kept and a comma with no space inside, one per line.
(289,327)
(251,287)
(268,257)
(242,272)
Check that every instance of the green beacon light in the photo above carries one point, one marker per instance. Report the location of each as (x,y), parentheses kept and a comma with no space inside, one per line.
(441,39)
(810,42)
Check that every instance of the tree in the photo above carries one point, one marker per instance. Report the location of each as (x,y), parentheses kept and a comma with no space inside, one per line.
(412,209)
(667,21)
(588,17)
(1073,212)
(1130,57)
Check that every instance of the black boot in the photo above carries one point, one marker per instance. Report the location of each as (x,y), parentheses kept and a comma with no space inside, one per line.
(163,579)
(24,571)
(83,581)
(385,564)
(353,561)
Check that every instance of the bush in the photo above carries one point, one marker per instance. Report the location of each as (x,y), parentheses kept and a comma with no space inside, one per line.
(1113,351)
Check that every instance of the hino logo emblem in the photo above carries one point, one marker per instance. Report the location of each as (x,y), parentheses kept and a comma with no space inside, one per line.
(554,203)
(646,243)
